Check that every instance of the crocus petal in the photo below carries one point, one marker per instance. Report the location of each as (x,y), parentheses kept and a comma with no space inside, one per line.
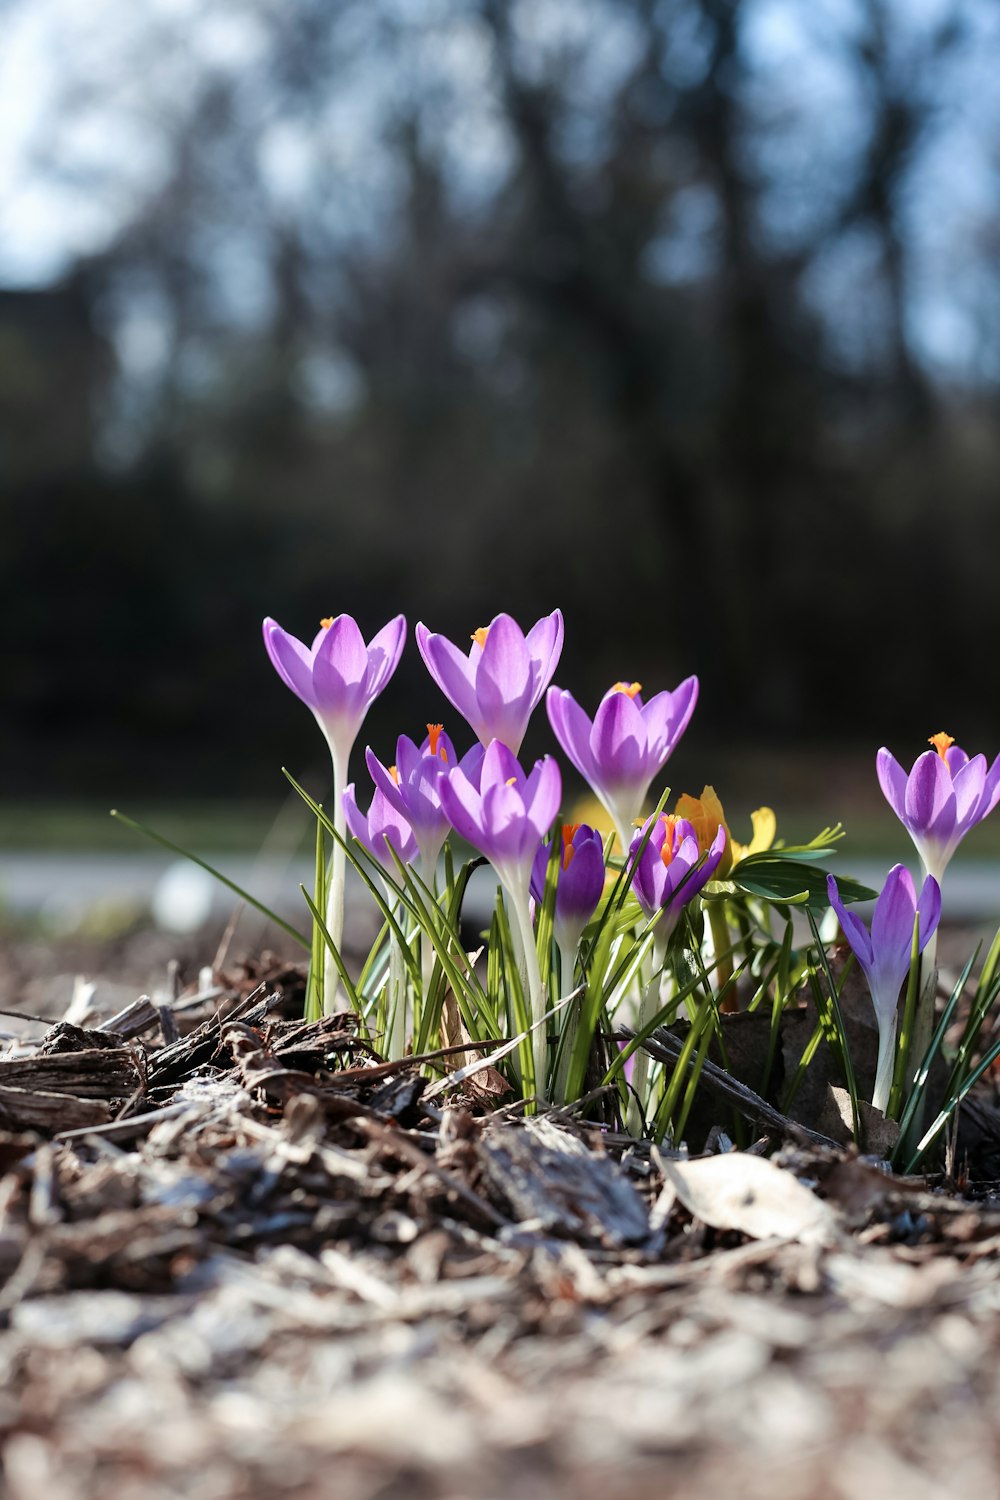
(503,682)
(384,651)
(892,780)
(342,655)
(387,786)
(451,671)
(930,799)
(666,717)
(618,745)
(572,728)
(852,927)
(545,642)
(291,660)
(968,782)
(545,795)
(463,805)
(892,918)
(991,790)
(929,906)
(500,765)
(356,820)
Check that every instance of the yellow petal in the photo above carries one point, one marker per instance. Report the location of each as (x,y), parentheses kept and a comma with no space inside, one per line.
(705,815)
(765,826)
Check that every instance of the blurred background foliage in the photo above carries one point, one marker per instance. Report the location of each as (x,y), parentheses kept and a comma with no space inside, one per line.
(681,314)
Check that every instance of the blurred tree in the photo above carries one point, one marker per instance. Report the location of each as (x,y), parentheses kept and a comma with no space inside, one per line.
(631,305)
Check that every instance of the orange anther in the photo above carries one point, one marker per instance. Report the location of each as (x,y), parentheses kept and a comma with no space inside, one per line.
(394,774)
(326,622)
(479,636)
(568,834)
(667,852)
(628,688)
(434,733)
(942,743)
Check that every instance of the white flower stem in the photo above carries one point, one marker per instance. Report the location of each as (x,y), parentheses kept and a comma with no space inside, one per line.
(335,890)
(428,874)
(397,1009)
(536,995)
(570,1023)
(886,1062)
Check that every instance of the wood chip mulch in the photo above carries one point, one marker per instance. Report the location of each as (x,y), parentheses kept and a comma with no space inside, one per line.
(241,1257)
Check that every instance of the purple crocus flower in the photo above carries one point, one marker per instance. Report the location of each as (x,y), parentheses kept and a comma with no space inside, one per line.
(504,812)
(579,884)
(884,953)
(945,794)
(627,744)
(499,683)
(338,676)
(383,823)
(667,874)
(412,786)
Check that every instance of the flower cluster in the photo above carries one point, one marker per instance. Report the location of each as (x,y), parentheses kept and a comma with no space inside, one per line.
(509,814)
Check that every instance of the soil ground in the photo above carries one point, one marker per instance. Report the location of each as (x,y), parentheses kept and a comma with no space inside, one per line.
(241,1258)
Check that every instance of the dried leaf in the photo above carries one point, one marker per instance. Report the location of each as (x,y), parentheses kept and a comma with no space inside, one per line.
(751,1195)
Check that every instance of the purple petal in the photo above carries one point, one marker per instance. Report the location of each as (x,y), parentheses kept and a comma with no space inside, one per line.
(503,822)
(463,806)
(666,717)
(991,791)
(892,780)
(545,643)
(968,783)
(853,928)
(342,651)
(892,919)
(383,653)
(544,793)
(618,744)
(503,682)
(384,782)
(500,765)
(408,757)
(572,729)
(356,820)
(451,671)
(929,906)
(340,667)
(291,660)
(930,799)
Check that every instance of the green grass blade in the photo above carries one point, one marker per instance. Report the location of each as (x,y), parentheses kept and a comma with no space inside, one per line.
(842,1044)
(159,838)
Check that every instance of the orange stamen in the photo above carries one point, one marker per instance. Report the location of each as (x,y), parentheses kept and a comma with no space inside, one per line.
(434,733)
(479,636)
(394,774)
(326,621)
(667,852)
(628,688)
(568,834)
(511,781)
(942,743)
